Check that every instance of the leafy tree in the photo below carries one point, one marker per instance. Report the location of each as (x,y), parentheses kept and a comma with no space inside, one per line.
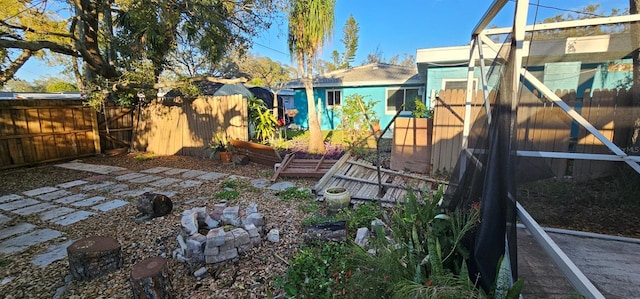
(350,41)
(112,38)
(61,86)
(310,23)
(19,85)
(265,72)
(587,12)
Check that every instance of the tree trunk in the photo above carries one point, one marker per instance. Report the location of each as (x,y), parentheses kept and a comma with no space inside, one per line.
(150,279)
(316,143)
(94,257)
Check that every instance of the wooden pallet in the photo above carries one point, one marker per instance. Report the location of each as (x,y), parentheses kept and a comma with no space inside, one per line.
(304,168)
(360,178)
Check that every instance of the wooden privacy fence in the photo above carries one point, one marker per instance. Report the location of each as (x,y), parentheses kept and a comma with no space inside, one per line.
(36,131)
(185,127)
(542,126)
(115,125)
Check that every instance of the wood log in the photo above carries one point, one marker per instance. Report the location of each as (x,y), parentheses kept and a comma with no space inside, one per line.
(328,231)
(94,257)
(154,204)
(150,279)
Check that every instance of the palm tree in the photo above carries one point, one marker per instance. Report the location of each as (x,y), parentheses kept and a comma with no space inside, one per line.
(310,23)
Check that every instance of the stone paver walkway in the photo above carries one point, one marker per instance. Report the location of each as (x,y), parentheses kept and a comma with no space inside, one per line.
(75,201)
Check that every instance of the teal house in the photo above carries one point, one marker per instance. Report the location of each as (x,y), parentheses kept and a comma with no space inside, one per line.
(390,86)
(578,63)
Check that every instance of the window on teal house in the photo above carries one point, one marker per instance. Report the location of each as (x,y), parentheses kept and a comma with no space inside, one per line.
(334,98)
(396,97)
(457,84)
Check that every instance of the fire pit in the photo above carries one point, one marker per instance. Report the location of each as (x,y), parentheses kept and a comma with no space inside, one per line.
(219,235)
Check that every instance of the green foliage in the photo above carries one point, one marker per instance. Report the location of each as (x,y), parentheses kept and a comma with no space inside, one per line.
(219,144)
(421,110)
(226,194)
(362,215)
(309,206)
(295,193)
(61,86)
(425,259)
(316,219)
(318,271)
(356,113)
(262,119)
(143,157)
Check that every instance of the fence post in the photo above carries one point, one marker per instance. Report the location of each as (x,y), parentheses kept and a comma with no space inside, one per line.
(96,131)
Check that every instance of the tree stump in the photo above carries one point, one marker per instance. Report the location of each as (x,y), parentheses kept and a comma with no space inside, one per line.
(93,257)
(150,279)
(154,204)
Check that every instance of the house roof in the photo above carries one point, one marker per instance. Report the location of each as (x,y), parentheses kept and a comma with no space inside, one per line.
(215,89)
(367,75)
(587,49)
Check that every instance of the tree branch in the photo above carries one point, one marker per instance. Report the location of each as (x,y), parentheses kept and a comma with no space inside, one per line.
(11,70)
(38,45)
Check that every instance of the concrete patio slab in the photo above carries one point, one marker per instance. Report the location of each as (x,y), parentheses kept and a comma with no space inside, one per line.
(155,170)
(129,176)
(164,182)
(189,183)
(95,168)
(211,176)
(145,179)
(97,187)
(613,266)
(70,199)
(110,205)
(54,253)
(281,186)
(89,201)
(21,243)
(71,184)
(18,204)
(72,218)
(53,195)
(115,188)
(4,219)
(193,173)
(10,197)
(55,213)
(134,193)
(18,229)
(175,171)
(39,191)
(37,208)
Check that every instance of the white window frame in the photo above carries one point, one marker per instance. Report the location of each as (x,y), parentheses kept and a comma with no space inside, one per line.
(327,98)
(445,81)
(404,89)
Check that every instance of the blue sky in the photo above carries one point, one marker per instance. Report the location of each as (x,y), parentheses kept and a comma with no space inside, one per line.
(394,27)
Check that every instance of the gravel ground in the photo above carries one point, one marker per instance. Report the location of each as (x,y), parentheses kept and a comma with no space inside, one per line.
(252,276)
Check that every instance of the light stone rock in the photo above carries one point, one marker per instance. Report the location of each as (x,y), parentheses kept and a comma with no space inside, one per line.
(201,273)
(254,218)
(216,237)
(273,235)
(189,222)
(362,237)
(229,242)
(211,250)
(252,208)
(252,230)
(241,236)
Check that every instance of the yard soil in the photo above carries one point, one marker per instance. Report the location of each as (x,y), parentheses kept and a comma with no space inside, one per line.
(253,275)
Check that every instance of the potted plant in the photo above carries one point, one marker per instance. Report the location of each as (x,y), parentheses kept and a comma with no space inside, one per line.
(220,146)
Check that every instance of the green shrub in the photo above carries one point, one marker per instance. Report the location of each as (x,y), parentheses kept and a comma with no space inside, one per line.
(295,193)
(226,194)
(318,271)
